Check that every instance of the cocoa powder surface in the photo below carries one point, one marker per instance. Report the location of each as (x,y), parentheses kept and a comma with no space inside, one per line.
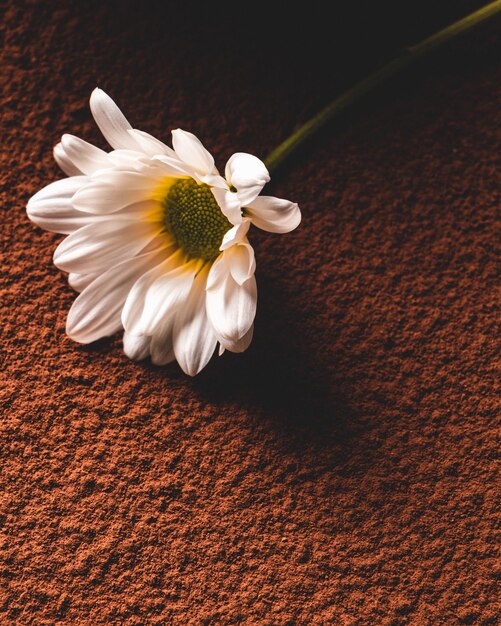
(342,471)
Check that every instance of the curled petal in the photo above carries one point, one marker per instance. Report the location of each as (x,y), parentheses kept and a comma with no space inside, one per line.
(247,174)
(242,262)
(238,261)
(235,235)
(274,214)
(231,307)
(229,204)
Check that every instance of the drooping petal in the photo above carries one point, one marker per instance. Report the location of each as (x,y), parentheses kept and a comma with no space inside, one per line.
(194,339)
(241,344)
(191,150)
(231,307)
(229,203)
(144,302)
(274,214)
(101,245)
(242,262)
(218,271)
(111,121)
(64,162)
(235,235)
(247,174)
(51,207)
(165,295)
(136,347)
(134,305)
(238,261)
(84,156)
(97,310)
(79,282)
(111,191)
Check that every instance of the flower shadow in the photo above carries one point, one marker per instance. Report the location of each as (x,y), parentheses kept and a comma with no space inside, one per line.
(280,377)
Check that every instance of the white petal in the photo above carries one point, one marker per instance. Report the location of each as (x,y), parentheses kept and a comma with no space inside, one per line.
(148,167)
(213,180)
(151,296)
(194,339)
(231,308)
(190,150)
(242,262)
(127,159)
(57,215)
(111,121)
(149,144)
(161,348)
(86,157)
(80,281)
(164,296)
(96,247)
(149,210)
(136,347)
(235,235)
(111,191)
(172,166)
(134,305)
(65,162)
(241,344)
(247,174)
(51,207)
(219,270)
(229,203)
(96,312)
(274,214)
(64,188)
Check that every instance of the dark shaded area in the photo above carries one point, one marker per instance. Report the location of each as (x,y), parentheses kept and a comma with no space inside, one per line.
(342,471)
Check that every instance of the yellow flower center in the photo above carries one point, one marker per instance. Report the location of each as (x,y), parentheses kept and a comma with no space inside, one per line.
(194,219)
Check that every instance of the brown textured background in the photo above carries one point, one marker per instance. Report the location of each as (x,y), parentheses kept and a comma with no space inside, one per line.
(342,471)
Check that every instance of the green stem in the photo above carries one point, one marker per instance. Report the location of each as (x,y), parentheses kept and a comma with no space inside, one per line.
(409,55)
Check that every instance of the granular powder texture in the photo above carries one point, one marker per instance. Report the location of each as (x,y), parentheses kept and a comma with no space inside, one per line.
(341,471)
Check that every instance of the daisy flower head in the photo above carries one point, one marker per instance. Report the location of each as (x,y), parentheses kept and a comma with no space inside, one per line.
(157,240)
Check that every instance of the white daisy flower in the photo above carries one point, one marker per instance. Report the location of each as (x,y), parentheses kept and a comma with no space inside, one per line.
(157,240)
